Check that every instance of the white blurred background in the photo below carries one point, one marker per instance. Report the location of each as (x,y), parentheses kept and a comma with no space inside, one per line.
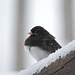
(17,17)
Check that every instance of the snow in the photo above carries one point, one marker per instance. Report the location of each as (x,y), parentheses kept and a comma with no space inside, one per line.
(37,67)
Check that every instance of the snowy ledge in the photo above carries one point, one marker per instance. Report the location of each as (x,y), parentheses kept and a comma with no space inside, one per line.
(53,63)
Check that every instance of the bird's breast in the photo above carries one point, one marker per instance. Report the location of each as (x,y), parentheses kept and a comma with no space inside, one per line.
(37,52)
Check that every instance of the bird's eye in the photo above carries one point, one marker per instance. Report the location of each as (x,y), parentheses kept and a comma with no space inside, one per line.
(36,33)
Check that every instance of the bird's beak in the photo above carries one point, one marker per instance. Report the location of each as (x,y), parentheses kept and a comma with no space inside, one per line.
(30,33)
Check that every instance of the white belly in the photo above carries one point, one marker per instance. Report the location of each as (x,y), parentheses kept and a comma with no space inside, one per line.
(36,52)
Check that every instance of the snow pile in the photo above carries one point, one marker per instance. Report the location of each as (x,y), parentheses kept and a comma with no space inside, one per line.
(37,67)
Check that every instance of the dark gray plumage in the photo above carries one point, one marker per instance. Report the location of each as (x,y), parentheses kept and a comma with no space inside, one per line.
(42,39)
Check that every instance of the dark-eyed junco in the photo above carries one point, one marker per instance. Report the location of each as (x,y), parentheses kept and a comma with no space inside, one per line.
(40,43)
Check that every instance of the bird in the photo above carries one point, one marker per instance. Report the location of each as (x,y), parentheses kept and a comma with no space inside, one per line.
(40,43)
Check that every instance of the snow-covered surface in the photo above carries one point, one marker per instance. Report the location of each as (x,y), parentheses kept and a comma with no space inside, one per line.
(37,67)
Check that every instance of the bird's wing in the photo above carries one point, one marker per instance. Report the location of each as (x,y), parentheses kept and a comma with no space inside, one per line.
(51,45)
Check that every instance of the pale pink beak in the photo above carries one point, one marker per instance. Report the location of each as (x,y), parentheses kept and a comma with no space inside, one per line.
(30,33)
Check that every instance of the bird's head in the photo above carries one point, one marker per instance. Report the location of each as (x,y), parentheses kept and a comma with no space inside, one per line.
(38,31)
